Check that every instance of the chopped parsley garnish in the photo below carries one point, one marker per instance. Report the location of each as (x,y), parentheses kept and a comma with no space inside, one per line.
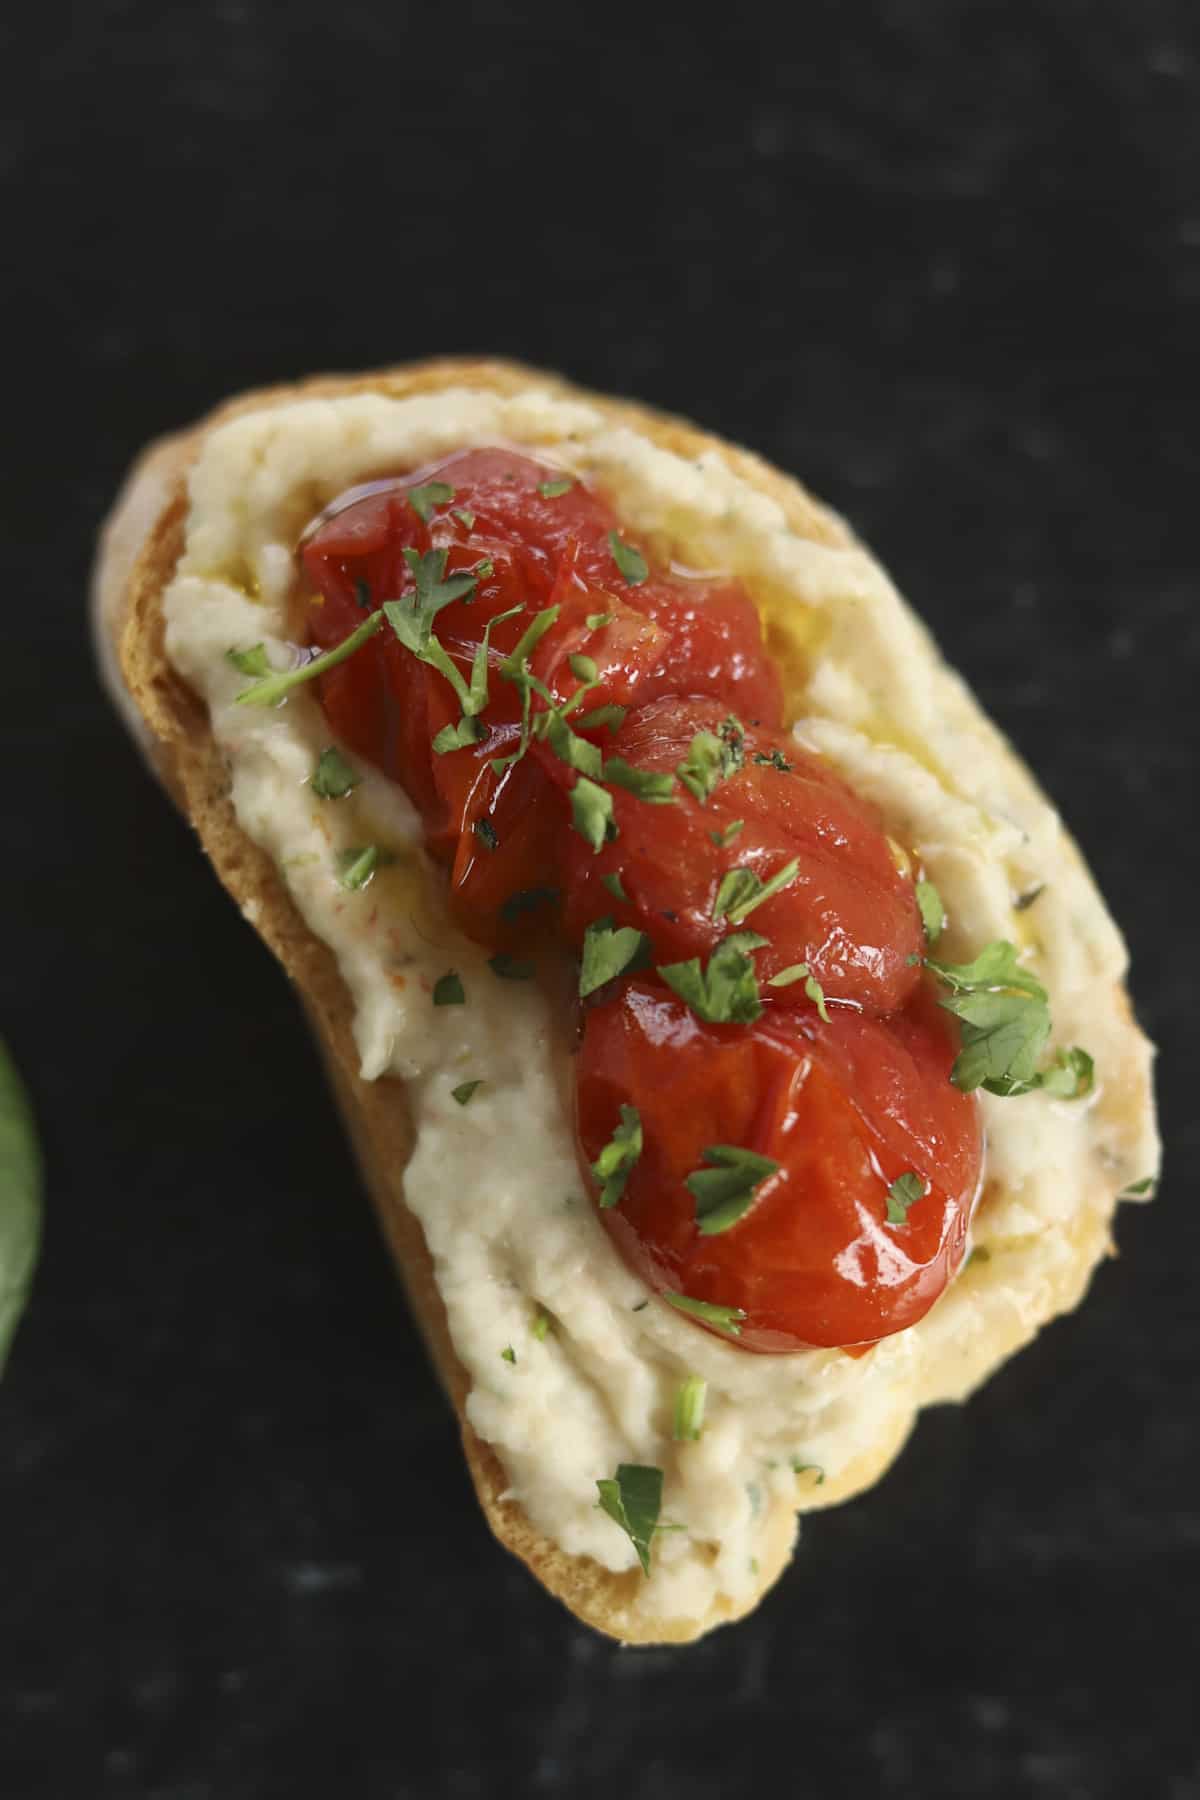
(333,776)
(741,891)
(412,618)
(775,759)
(803,1468)
(465,1089)
(608,953)
(527,900)
(724,1192)
(356,867)
(933,913)
(633,1500)
(568,746)
(812,987)
(250,662)
(515,668)
(610,714)
(595,621)
(615,1163)
(423,499)
(509,1354)
(629,561)
(1140,1190)
(541,1324)
(448,990)
(273,687)
(465,519)
(612,881)
(725,1318)
(592,812)
(689,1409)
(711,759)
(904,1192)
(468,731)
(722,839)
(483,569)
(583,668)
(485,831)
(656,788)
(550,490)
(1005,1017)
(726,993)
(511,968)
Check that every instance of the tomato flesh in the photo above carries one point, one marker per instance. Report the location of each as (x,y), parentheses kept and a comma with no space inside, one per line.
(844,1108)
(844,1104)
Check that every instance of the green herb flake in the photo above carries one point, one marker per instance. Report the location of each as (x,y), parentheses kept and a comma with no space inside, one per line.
(774,759)
(20,1199)
(741,891)
(725,1192)
(723,839)
(724,1318)
(803,1468)
(1071,1075)
(465,1090)
(511,968)
(610,714)
(933,913)
(583,668)
(726,993)
(541,1324)
(689,1409)
(250,662)
(608,953)
(509,1354)
(597,621)
(904,1192)
(423,499)
(468,731)
(1140,1190)
(485,831)
(551,490)
(612,881)
(448,990)
(274,688)
(711,759)
(411,618)
(334,777)
(527,900)
(568,746)
(362,596)
(630,562)
(615,1163)
(356,867)
(592,812)
(633,1500)
(656,788)
(465,519)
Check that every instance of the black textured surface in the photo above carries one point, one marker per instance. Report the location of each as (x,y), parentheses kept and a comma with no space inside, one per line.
(942,260)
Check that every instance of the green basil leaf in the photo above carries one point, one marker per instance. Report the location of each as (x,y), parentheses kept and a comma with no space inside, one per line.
(20,1199)
(615,1163)
(633,1500)
(724,1192)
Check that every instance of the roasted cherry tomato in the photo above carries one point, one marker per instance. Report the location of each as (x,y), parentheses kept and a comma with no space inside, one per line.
(847,911)
(845,1109)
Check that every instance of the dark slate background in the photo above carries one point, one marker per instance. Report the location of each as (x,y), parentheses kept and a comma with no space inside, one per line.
(942,260)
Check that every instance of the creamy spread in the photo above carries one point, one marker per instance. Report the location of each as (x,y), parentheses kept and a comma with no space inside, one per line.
(496,1184)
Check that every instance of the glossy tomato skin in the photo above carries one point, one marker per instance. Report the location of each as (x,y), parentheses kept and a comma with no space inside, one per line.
(844,1109)
(849,913)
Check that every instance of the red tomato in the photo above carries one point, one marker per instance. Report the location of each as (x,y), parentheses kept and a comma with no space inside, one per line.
(844,1109)
(848,913)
